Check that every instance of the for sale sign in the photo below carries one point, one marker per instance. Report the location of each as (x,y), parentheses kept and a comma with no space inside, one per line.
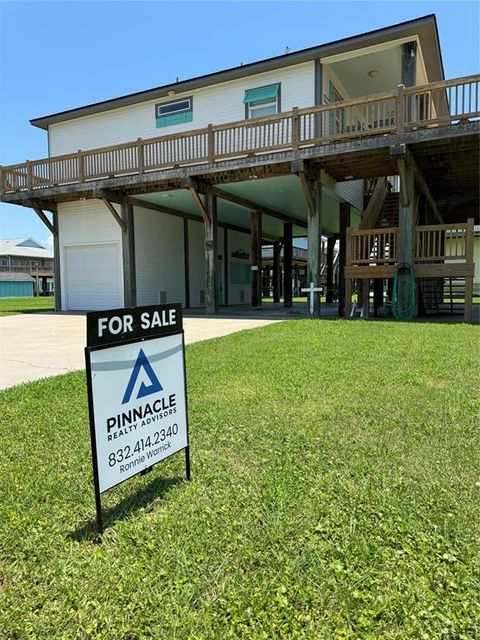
(137,397)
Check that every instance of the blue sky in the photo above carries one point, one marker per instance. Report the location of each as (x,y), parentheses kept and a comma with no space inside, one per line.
(59,55)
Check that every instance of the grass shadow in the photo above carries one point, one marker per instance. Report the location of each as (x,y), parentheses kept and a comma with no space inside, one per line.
(148,495)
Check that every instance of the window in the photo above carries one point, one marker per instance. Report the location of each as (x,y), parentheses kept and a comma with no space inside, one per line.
(263,101)
(176,112)
(337,117)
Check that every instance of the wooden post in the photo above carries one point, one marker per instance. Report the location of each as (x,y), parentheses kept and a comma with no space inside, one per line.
(366,298)
(186,262)
(468,307)
(56,263)
(128,256)
(225,266)
(256,246)
(295,129)
(344,293)
(405,234)
(29,175)
(140,156)
(400,108)
(211,252)
(210,144)
(277,271)
(287,264)
(314,249)
(377,296)
(330,248)
(81,166)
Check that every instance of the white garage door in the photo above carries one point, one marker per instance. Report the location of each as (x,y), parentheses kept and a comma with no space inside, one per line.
(93,277)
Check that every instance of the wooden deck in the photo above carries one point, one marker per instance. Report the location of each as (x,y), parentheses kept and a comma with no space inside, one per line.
(442,251)
(396,112)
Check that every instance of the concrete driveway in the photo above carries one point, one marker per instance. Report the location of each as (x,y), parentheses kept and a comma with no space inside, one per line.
(39,345)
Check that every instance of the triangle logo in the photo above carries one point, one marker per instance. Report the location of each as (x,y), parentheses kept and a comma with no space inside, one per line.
(145,390)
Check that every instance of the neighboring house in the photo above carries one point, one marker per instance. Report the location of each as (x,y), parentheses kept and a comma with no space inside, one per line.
(15,285)
(28,256)
(174,185)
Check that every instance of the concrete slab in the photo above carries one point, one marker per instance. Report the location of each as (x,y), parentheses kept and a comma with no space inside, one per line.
(39,345)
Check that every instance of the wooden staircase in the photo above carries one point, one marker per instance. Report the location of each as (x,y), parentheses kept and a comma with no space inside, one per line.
(389,214)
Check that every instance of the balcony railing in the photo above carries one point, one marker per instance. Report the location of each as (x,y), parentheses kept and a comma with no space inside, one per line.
(33,270)
(432,245)
(436,104)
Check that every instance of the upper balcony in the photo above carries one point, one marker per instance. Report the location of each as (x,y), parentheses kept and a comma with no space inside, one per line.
(394,112)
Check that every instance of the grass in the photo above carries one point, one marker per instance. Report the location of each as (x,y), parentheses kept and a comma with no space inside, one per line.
(13,306)
(335,495)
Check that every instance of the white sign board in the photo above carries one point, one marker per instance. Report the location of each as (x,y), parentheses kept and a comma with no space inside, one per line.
(136,391)
(139,412)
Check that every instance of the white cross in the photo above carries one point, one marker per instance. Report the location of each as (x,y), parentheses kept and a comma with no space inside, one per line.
(312,290)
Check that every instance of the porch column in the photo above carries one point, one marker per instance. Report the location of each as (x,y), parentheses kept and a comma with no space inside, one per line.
(405,234)
(57,287)
(277,271)
(344,223)
(314,250)
(330,248)
(256,237)
(287,264)
(211,252)
(128,257)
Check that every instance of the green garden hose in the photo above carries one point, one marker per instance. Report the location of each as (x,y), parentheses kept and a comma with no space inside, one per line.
(408,312)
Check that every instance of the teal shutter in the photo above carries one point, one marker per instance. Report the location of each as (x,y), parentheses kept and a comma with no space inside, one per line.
(261,94)
(174,118)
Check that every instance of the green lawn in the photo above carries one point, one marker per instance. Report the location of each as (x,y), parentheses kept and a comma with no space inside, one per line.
(13,306)
(335,494)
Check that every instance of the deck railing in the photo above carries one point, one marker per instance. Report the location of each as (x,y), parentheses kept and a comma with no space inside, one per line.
(444,243)
(432,244)
(434,104)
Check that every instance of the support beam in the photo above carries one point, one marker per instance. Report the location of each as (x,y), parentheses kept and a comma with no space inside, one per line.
(128,257)
(39,211)
(53,228)
(287,264)
(307,192)
(314,251)
(256,246)
(405,233)
(57,285)
(255,206)
(225,266)
(199,204)
(114,213)
(211,252)
(153,206)
(186,262)
(330,249)
(344,289)
(424,188)
(277,271)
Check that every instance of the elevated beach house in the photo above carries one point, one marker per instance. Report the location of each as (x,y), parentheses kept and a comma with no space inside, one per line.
(167,195)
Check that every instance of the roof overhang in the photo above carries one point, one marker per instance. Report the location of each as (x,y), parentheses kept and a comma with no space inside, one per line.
(425,28)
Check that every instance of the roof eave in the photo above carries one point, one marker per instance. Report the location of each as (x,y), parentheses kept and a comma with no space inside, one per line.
(269,64)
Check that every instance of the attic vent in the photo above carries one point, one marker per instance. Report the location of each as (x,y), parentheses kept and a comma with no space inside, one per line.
(163,297)
(202,296)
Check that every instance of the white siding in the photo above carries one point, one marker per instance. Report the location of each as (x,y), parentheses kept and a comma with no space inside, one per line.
(352,190)
(159,257)
(217,104)
(87,223)
(196,243)
(237,240)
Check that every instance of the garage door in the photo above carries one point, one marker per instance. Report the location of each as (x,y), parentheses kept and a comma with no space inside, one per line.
(93,277)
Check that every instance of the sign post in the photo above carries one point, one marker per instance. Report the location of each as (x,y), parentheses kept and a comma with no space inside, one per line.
(135,361)
(312,290)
